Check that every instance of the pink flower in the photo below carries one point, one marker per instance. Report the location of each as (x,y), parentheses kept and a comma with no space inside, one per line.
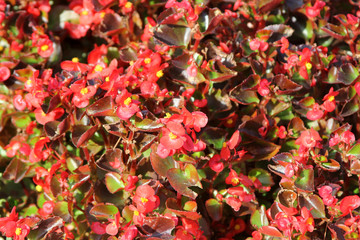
(4,74)
(315,113)
(145,199)
(308,138)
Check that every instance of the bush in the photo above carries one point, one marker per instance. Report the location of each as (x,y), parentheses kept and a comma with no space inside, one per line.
(197,119)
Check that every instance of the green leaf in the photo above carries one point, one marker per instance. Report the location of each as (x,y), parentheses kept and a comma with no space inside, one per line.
(161,165)
(104,211)
(355,150)
(21,121)
(258,218)
(61,209)
(114,182)
(214,209)
(305,181)
(181,180)
(102,107)
(314,203)
(45,227)
(173,35)
(172,205)
(263,176)
(214,136)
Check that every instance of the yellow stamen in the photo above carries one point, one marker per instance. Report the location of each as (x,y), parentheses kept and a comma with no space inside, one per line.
(102,14)
(107,79)
(75,59)
(168,115)
(237,227)
(172,136)
(28,83)
(44,48)
(84,91)
(147,60)
(84,12)
(308,65)
(38,188)
(131,63)
(235,181)
(224,144)
(1,48)
(127,101)
(300,57)
(43,114)
(159,74)
(229,121)
(18,231)
(144,200)
(98,68)
(128,5)
(136,213)
(331,98)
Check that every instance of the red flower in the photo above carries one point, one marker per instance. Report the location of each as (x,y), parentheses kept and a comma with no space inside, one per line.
(12,227)
(314,11)
(130,233)
(4,74)
(82,93)
(233,202)
(98,228)
(308,138)
(19,102)
(215,164)
(233,178)
(173,135)
(138,217)
(315,113)
(47,208)
(329,100)
(127,106)
(45,47)
(263,88)
(349,203)
(347,137)
(43,118)
(145,199)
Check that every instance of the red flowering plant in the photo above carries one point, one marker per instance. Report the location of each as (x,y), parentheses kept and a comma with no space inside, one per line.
(139,119)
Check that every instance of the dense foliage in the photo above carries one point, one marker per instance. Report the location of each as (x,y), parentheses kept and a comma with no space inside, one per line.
(192,119)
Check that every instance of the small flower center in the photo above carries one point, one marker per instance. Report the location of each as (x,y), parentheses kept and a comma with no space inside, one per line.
(75,59)
(127,101)
(144,200)
(224,144)
(308,66)
(136,213)
(43,114)
(84,91)
(107,79)
(147,60)
(28,83)
(172,136)
(237,227)
(235,181)
(128,5)
(38,188)
(98,68)
(102,14)
(160,73)
(44,48)
(168,115)
(331,98)
(18,231)
(84,12)
(229,121)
